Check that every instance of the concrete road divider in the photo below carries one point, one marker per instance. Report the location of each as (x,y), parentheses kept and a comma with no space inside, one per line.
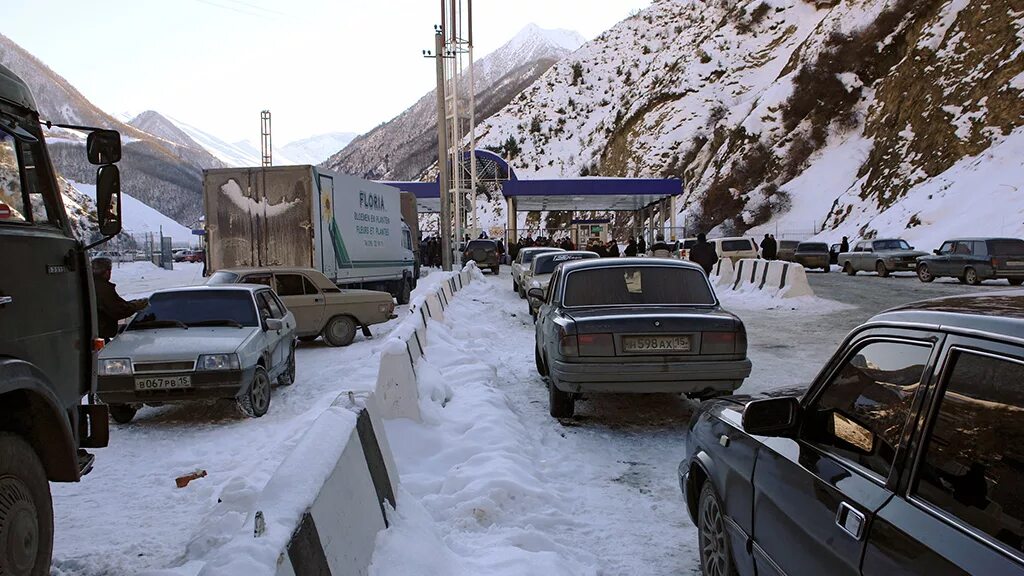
(780,279)
(321,510)
(723,272)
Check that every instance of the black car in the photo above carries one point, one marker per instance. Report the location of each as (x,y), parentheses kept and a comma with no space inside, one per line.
(905,456)
(972,260)
(485,253)
(627,325)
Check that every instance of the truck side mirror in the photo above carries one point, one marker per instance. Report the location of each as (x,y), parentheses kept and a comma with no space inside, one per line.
(103,147)
(108,200)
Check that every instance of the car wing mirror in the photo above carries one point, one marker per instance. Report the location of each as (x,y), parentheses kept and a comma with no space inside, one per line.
(103,147)
(273,324)
(772,417)
(535,293)
(108,200)
(937,252)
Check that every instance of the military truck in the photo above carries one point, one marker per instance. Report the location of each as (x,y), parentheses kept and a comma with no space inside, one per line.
(47,328)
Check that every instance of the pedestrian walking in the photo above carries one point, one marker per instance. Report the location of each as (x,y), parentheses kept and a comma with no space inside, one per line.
(704,253)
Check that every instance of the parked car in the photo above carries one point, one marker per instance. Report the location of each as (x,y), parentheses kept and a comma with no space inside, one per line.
(882,256)
(635,325)
(203,342)
(812,255)
(973,260)
(786,250)
(539,274)
(320,307)
(484,253)
(903,457)
(736,249)
(196,256)
(522,263)
(181,255)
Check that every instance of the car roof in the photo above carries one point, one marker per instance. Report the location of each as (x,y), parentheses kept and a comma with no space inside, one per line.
(610,262)
(885,240)
(999,313)
(269,269)
(540,248)
(205,287)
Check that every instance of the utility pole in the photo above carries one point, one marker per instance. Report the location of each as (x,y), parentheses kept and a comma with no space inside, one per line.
(442,157)
(266,150)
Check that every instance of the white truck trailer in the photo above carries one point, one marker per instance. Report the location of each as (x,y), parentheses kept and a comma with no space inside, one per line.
(349,229)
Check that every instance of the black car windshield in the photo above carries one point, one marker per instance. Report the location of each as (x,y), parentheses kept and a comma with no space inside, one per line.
(481,245)
(811,247)
(546,263)
(1008,247)
(197,307)
(637,285)
(891,245)
(222,277)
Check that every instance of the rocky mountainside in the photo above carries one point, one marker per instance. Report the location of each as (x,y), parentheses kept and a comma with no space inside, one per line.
(404,147)
(316,149)
(827,117)
(158,171)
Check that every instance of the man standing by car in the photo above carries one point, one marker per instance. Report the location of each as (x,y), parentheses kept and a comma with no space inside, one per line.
(768,248)
(704,253)
(110,307)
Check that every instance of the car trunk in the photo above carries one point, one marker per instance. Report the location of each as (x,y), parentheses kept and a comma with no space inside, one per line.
(657,331)
(481,253)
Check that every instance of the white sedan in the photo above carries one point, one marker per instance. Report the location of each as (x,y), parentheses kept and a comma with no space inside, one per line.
(521,265)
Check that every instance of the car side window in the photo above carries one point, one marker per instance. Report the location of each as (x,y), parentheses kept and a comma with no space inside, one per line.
(972,462)
(289,285)
(308,286)
(980,249)
(947,248)
(276,306)
(862,411)
(551,286)
(963,248)
(269,305)
(265,279)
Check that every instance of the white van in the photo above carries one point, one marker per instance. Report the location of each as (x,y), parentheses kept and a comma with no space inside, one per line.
(736,248)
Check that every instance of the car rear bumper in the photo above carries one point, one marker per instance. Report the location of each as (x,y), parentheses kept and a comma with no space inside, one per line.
(224,384)
(1004,273)
(812,261)
(648,377)
(910,266)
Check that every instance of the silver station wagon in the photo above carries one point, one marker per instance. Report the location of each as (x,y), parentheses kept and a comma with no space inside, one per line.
(206,342)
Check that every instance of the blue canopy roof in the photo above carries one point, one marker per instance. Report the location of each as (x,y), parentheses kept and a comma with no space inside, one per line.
(428,194)
(589,193)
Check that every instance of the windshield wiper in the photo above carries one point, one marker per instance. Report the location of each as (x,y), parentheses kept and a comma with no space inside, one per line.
(143,324)
(221,322)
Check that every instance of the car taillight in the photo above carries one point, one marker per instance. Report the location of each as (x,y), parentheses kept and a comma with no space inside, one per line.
(595,344)
(568,345)
(995,262)
(718,343)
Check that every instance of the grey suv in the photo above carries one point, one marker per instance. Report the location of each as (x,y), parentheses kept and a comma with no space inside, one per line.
(972,260)
(485,253)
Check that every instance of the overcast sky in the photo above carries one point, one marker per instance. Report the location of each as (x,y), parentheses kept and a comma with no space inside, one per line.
(318,65)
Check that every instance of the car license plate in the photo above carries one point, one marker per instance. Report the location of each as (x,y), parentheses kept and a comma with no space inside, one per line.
(162,383)
(656,343)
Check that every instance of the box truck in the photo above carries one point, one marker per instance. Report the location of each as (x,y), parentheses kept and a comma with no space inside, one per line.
(348,228)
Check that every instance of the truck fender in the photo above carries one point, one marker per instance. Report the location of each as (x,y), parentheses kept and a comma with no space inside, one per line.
(29,407)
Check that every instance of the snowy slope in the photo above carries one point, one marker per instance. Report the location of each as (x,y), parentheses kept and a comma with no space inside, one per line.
(785,115)
(405,146)
(138,218)
(316,149)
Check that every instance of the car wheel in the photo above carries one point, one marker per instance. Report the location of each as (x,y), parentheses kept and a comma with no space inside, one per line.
(495,269)
(560,404)
(539,362)
(848,268)
(122,414)
(26,510)
(715,554)
(340,331)
(971,277)
(522,293)
(287,378)
(256,400)
(924,274)
(309,338)
(881,269)
(1015,281)
(404,292)
(515,287)
(826,269)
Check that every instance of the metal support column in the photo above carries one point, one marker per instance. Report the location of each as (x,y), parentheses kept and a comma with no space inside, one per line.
(513,222)
(672,217)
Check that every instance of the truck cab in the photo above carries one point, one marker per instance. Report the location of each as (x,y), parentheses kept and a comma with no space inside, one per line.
(47,329)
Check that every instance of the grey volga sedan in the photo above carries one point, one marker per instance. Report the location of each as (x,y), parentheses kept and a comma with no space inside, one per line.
(207,342)
(812,255)
(641,325)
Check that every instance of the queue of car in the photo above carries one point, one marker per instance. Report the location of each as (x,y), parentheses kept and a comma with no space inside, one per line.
(543,265)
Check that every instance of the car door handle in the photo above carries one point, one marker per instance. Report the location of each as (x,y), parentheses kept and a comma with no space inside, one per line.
(850,520)
(724,441)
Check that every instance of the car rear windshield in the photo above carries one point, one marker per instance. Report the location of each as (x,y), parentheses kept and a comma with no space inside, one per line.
(1006,247)
(639,285)
(197,307)
(891,245)
(736,245)
(222,278)
(811,247)
(547,263)
(529,256)
(481,245)
(788,244)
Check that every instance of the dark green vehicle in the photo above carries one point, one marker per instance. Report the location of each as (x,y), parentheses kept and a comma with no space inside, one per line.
(47,329)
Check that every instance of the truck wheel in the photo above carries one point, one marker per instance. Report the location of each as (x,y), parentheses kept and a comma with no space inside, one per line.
(560,404)
(122,414)
(971,277)
(26,510)
(404,292)
(256,400)
(287,378)
(848,268)
(880,268)
(340,331)
(713,538)
(923,274)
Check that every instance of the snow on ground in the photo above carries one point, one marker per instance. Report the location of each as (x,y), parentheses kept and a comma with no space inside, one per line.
(127,516)
(140,218)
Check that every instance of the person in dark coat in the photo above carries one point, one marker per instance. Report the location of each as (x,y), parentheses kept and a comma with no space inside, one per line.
(613,248)
(661,246)
(630,248)
(641,246)
(110,307)
(769,248)
(844,246)
(704,253)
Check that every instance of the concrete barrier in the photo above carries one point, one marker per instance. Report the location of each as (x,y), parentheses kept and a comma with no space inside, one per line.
(321,510)
(746,272)
(723,272)
(795,283)
(780,279)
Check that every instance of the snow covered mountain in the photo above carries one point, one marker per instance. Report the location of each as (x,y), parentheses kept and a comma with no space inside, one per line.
(138,219)
(862,117)
(404,147)
(316,149)
(161,173)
